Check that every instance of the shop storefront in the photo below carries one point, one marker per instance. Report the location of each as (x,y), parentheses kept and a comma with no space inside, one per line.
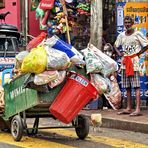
(73,28)
(78,19)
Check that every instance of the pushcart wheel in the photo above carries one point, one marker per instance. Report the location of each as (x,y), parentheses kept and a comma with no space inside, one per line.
(17,128)
(82,127)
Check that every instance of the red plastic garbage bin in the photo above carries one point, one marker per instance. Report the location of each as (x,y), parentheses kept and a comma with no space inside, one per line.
(75,94)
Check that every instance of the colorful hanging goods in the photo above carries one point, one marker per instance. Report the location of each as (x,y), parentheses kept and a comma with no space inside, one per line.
(43,21)
(83,8)
(39,12)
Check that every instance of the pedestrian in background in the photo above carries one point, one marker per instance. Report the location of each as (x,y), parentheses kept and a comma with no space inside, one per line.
(133,43)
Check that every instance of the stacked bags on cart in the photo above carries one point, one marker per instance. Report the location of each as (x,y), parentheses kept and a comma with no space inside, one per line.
(101,69)
(47,60)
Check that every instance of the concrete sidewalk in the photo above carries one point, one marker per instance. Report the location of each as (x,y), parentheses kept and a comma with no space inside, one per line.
(110,119)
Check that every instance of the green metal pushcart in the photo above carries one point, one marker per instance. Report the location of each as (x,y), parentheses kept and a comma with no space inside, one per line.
(22,103)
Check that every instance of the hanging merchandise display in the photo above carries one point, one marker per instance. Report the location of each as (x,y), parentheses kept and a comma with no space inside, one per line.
(69,20)
(34,4)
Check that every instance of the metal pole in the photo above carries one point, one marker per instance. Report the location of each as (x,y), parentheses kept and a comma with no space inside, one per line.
(26,20)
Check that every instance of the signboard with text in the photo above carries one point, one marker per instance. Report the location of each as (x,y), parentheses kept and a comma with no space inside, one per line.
(139,12)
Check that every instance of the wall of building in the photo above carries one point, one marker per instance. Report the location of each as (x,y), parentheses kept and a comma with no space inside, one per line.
(33,22)
(14,17)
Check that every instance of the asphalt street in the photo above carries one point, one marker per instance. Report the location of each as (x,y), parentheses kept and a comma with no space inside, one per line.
(67,138)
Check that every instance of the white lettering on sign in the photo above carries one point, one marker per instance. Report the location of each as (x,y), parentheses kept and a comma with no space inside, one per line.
(79,79)
(16,92)
(45,5)
(7,60)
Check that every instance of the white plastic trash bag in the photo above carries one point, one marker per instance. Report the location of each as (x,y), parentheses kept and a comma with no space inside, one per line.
(21,55)
(19,59)
(114,96)
(59,80)
(45,77)
(93,62)
(77,59)
(56,43)
(108,64)
(100,83)
(56,60)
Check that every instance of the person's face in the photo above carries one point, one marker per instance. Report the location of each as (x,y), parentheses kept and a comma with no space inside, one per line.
(128,24)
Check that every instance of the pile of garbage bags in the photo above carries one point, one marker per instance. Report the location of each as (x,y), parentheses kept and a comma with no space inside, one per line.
(49,58)
(102,70)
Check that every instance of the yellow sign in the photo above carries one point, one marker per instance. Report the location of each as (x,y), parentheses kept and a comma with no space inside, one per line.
(139,12)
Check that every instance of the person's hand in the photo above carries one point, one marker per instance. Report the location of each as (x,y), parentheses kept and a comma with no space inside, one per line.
(138,54)
(121,54)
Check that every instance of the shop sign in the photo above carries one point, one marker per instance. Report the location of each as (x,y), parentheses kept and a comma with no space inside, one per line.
(7,60)
(120,16)
(139,12)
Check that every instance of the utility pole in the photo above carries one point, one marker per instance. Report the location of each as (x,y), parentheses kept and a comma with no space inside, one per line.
(96,23)
(22,15)
(24,18)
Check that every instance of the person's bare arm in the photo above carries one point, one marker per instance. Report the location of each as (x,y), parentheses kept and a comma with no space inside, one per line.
(142,50)
(117,51)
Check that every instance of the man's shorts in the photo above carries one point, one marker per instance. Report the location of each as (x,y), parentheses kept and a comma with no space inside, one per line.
(130,81)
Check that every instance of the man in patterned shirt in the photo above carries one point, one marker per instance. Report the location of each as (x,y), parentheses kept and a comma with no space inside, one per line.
(133,44)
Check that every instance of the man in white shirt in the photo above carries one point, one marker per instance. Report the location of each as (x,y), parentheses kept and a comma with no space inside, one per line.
(133,44)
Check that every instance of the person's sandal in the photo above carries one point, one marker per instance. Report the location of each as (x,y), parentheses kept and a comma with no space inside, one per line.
(135,114)
(124,113)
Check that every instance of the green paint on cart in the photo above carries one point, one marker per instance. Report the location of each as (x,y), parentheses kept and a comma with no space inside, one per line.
(17,98)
